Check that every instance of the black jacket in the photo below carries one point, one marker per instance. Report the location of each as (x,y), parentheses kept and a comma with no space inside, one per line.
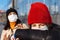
(29,34)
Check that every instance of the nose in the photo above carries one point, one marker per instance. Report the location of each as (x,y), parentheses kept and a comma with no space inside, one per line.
(38,26)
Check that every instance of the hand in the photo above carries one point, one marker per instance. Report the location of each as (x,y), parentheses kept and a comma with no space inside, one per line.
(19,26)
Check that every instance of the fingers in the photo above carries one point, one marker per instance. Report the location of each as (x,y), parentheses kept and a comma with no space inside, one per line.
(20,25)
(17,38)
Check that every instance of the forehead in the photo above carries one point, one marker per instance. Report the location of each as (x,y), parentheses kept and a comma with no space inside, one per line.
(12,12)
(39,23)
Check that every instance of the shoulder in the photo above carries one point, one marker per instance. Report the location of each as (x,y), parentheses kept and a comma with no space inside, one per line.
(4,31)
(8,32)
(56,27)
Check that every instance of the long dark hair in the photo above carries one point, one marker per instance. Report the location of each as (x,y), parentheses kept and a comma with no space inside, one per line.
(7,26)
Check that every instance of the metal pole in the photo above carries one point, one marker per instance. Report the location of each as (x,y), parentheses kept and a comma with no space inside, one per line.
(55,12)
(13,6)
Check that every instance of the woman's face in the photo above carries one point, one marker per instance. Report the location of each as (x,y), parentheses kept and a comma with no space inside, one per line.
(39,26)
(12,17)
(12,13)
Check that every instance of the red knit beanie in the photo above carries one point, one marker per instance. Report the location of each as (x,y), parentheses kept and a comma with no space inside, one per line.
(39,13)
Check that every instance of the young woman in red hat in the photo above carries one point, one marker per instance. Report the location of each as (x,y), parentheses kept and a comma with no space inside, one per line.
(40,23)
(39,19)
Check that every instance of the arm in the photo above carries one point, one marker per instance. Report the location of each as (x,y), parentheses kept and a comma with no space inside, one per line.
(4,35)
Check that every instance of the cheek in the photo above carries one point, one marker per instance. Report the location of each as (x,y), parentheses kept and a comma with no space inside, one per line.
(42,26)
(34,27)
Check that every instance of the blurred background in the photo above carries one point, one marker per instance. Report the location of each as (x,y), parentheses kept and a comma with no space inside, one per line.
(23,6)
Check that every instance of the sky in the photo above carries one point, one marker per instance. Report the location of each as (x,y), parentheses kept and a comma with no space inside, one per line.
(23,6)
(4,4)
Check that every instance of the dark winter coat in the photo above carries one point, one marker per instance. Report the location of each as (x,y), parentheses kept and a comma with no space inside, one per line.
(29,34)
